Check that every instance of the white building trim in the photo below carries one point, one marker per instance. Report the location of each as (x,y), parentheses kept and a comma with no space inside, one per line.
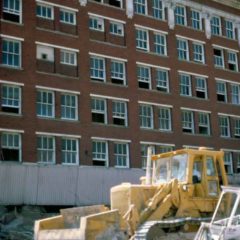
(105,17)
(57,89)
(107,56)
(12,37)
(58,134)
(194,74)
(109,97)
(150,29)
(230,150)
(225,80)
(226,48)
(151,65)
(228,115)
(191,39)
(57,5)
(155,104)
(111,139)
(11,130)
(157,143)
(11,83)
(195,110)
(57,46)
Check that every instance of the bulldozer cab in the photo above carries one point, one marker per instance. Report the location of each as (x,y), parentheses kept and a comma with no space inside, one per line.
(202,168)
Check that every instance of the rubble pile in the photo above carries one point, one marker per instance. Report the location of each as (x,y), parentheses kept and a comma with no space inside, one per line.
(17,223)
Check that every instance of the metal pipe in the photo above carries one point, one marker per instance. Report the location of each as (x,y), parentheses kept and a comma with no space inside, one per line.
(149,166)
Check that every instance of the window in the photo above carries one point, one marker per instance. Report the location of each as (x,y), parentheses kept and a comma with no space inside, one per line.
(46,149)
(224,126)
(11,147)
(185,85)
(119,113)
(221,92)
(228,163)
(121,154)
(144,77)
(237,127)
(157,9)
(238,162)
(196,21)
(218,58)
(140,6)
(198,53)
(164,149)
(203,123)
(11,53)
(142,39)
(187,122)
(97,68)
(162,80)
(69,107)
(201,87)
(116,3)
(182,48)
(216,26)
(96,24)
(99,110)
(116,28)
(67,17)
(164,118)
(118,73)
(144,153)
(45,53)
(232,61)
(180,15)
(235,93)
(69,148)
(68,57)
(100,153)
(45,104)
(160,45)
(146,116)
(11,99)
(12,10)
(229,28)
(45,11)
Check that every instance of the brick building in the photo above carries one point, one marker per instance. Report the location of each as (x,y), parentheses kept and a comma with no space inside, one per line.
(96,82)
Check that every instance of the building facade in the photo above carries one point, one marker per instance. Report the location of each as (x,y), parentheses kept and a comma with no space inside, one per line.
(96,82)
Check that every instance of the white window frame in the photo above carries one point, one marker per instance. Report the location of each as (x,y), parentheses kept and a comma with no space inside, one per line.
(120,112)
(235,93)
(199,21)
(198,56)
(165,82)
(12,54)
(219,59)
(203,87)
(165,118)
(121,155)
(157,11)
(68,57)
(144,149)
(142,77)
(140,42)
(41,150)
(43,105)
(222,92)
(140,7)
(100,153)
(10,98)
(99,111)
(224,126)
(178,16)
(185,87)
(160,45)
(183,53)
(67,108)
(13,10)
(230,32)
(66,16)
(10,143)
(216,29)
(99,70)
(146,121)
(228,161)
(237,127)
(116,73)
(231,61)
(100,23)
(188,121)
(116,29)
(205,123)
(40,15)
(73,154)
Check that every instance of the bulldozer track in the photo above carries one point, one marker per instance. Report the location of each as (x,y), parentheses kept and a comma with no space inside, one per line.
(157,227)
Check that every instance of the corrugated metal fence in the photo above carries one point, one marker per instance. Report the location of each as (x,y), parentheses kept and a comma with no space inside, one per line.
(60,185)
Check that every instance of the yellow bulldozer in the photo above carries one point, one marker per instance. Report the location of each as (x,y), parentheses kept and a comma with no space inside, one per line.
(180,190)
